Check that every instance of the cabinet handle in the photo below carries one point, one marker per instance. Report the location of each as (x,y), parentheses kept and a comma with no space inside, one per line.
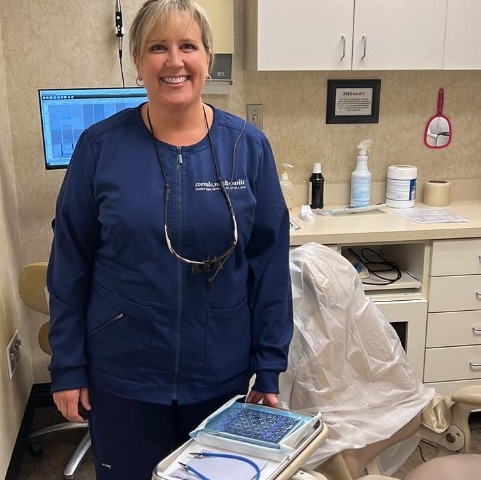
(364,39)
(477,330)
(343,38)
(474,366)
(478,295)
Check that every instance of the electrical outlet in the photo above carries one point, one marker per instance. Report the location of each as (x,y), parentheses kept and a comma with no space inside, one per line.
(13,354)
(254,114)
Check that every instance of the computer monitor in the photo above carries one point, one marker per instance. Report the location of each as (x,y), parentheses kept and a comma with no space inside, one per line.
(65,113)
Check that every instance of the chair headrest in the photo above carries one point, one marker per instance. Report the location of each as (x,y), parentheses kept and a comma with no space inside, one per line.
(32,282)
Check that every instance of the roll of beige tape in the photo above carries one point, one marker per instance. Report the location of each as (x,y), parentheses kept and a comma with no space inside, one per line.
(436,193)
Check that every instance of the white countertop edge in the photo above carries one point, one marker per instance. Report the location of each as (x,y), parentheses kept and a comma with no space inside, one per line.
(385,225)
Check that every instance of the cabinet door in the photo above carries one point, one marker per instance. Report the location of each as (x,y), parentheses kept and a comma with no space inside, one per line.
(463,35)
(399,35)
(413,315)
(300,35)
(221,16)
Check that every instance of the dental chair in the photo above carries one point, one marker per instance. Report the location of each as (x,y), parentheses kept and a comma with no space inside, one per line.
(347,362)
(32,288)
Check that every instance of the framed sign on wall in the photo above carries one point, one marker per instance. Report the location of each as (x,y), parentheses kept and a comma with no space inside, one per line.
(353,101)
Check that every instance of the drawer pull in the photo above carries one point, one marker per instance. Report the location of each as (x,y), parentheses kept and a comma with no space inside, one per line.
(343,38)
(364,41)
(477,330)
(478,295)
(475,366)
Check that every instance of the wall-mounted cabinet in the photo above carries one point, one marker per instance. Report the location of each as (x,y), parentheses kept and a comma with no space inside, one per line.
(221,16)
(361,34)
(301,35)
(463,35)
(400,35)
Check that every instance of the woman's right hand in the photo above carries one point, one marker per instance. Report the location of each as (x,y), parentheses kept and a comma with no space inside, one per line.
(67,402)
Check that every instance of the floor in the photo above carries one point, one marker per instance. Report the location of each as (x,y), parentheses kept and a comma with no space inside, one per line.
(58,447)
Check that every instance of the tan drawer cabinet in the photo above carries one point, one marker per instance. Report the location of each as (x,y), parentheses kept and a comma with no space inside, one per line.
(453,329)
(460,292)
(456,257)
(453,333)
(453,363)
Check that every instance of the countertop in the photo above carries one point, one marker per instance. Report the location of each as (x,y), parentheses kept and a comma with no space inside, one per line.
(385,225)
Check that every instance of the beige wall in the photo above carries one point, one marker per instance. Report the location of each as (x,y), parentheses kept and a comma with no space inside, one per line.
(64,43)
(13,393)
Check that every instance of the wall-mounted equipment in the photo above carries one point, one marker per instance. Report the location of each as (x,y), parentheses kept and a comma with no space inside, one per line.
(221,16)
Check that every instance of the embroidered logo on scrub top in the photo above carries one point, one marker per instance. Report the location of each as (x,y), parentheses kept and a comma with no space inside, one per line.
(213,186)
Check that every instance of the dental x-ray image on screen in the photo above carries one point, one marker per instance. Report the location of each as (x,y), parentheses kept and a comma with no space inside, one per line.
(66,113)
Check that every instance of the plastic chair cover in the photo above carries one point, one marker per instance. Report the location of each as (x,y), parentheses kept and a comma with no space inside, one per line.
(345,358)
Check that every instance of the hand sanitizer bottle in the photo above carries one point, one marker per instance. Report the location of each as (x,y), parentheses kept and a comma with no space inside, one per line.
(287,186)
(361,178)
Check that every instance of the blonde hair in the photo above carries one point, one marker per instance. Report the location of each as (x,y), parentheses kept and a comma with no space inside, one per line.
(158,12)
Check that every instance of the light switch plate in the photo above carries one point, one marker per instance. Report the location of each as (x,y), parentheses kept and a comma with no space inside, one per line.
(13,354)
(254,114)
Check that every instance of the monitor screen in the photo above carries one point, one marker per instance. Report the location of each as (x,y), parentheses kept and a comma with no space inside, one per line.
(66,113)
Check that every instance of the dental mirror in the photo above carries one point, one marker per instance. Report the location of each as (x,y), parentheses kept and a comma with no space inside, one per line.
(438,132)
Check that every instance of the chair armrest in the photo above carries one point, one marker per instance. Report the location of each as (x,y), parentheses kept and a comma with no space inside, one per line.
(469,395)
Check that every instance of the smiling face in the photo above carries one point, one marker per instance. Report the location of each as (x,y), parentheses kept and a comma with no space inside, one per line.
(174,63)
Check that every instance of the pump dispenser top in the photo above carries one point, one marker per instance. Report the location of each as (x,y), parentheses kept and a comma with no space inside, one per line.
(363,147)
(361,177)
(287,186)
(285,166)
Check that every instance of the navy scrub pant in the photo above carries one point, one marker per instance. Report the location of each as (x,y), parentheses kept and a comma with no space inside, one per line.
(130,437)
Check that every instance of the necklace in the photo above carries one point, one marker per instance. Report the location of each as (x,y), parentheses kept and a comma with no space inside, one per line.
(211,264)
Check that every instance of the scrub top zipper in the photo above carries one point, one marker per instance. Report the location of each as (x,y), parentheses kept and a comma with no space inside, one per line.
(180,162)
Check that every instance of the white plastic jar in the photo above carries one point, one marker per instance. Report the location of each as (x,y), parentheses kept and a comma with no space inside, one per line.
(401,186)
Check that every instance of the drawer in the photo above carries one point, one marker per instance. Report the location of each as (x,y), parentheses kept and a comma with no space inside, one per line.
(455,293)
(451,329)
(454,363)
(456,257)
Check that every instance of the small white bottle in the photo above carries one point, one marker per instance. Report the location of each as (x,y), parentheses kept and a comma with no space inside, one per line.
(361,178)
(287,186)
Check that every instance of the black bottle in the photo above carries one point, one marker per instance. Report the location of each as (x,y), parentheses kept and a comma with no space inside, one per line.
(316,190)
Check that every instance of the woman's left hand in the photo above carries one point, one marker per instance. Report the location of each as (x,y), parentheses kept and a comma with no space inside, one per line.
(268,399)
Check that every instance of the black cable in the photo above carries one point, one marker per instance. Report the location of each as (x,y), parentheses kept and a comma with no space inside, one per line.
(120,61)
(119,33)
(376,265)
(421,453)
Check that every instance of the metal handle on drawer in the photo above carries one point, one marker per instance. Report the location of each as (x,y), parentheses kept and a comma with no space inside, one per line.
(478,295)
(477,330)
(343,38)
(474,365)
(364,39)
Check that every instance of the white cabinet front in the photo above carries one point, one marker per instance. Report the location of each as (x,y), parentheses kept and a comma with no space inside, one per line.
(400,35)
(344,34)
(301,35)
(463,35)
